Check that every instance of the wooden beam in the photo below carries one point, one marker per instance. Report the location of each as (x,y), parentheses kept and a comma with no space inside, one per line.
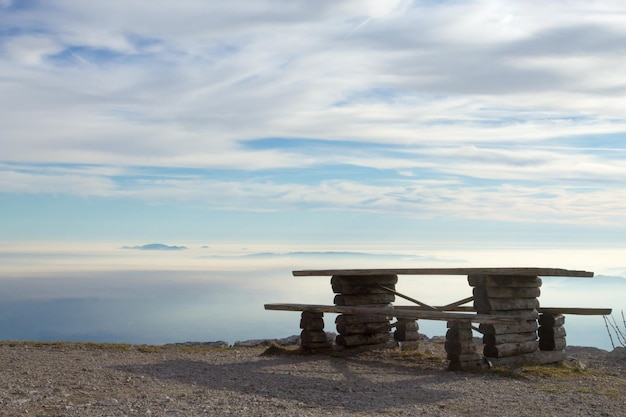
(406,297)
(576,311)
(456,304)
(399,313)
(464,309)
(546,272)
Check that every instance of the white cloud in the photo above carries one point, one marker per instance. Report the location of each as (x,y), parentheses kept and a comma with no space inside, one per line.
(555,192)
(30,49)
(55,183)
(473,90)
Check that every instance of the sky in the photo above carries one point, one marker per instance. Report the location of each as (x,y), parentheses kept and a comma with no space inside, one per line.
(335,124)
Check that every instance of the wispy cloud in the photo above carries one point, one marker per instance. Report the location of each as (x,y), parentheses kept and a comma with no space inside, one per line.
(482,109)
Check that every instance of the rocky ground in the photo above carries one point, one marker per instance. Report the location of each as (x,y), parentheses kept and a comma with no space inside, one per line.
(118,380)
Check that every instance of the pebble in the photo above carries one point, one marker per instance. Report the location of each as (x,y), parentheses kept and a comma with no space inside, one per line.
(241,382)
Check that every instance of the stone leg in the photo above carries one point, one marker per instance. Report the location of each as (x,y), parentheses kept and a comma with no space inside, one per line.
(552,332)
(363,329)
(508,295)
(313,335)
(407,334)
(460,347)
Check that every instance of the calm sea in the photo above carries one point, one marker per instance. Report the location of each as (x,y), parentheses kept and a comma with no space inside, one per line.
(155,303)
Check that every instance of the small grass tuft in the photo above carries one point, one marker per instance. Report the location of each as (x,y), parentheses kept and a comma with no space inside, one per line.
(541,371)
(514,373)
(556,370)
(150,348)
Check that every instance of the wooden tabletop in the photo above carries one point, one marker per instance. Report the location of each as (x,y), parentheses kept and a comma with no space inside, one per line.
(541,272)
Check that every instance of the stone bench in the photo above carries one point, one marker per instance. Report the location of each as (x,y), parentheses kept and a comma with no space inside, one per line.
(505,304)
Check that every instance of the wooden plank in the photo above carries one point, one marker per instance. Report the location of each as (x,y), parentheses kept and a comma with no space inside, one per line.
(370,279)
(552,344)
(549,310)
(345,319)
(400,313)
(510,349)
(465,309)
(312,324)
(551,272)
(308,315)
(507,292)
(498,339)
(358,328)
(363,299)
(408,324)
(551,320)
(546,332)
(519,314)
(577,311)
(458,325)
(406,330)
(531,281)
(455,334)
(359,289)
(523,327)
(311,336)
(494,304)
(406,336)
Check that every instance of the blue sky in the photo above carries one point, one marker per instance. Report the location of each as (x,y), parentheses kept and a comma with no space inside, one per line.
(332,122)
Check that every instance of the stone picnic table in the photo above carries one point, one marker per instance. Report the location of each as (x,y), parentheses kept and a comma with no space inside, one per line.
(505,305)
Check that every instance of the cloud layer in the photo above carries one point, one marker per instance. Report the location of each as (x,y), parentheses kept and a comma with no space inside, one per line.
(480,109)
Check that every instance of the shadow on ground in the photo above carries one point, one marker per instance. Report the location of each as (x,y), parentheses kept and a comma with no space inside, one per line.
(355,383)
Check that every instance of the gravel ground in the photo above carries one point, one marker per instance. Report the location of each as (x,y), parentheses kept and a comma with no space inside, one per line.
(110,380)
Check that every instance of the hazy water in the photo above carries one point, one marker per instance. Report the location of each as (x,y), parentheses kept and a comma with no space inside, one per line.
(163,306)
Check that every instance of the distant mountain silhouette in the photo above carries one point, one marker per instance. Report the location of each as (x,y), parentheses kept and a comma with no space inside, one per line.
(331,255)
(155,246)
(601,280)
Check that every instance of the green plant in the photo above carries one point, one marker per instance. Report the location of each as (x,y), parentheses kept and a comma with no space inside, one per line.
(614,329)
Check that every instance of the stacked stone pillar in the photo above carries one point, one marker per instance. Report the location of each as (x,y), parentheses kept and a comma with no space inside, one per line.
(507,295)
(363,329)
(313,336)
(460,347)
(552,332)
(407,334)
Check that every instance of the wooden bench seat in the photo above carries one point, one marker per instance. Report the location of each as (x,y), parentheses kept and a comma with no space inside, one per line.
(546,310)
(576,311)
(400,313)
